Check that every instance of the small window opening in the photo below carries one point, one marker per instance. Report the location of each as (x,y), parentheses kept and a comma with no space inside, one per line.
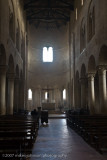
(64,94)
(76,14)
(47,54)
(82,2)
(46,95)
(29,94)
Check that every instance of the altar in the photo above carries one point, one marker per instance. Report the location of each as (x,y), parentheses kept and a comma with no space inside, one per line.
(48,106)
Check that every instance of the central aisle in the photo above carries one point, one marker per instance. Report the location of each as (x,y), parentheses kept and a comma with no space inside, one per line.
(56,141)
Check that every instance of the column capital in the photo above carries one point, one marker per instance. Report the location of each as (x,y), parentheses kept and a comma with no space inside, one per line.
(101,68)
(91,76)
(82,80)
(101,72)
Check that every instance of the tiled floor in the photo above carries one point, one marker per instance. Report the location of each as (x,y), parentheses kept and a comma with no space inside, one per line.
(56,141)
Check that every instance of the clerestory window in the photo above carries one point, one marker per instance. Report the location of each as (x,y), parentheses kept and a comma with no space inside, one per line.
(47,54)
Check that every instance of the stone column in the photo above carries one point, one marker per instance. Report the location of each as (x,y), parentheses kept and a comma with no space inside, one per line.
(61,92)
(56,98)
(67,97)
(39,97)
(16,94)
(34,97)
(83,92)
(53,97)
(10,93)
(102,89)
(2,90)
(91,93)
(50,96)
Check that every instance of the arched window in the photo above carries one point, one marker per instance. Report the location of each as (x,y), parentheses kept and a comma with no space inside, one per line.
(47,54)
(91,21)
(82,36)
(22,48)
(46,95)
(76,14)
(64,94)
(11,21)
(29,94)
(18,36)
(11,25)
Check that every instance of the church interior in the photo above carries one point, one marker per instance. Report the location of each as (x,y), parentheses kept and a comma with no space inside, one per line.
(53,65)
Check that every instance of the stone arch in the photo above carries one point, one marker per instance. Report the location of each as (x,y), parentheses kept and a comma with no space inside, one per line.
(16,89)
(82,35)
(22,47)
(96,88)
(11,64)
(103,78)
(77,90)
(83,71)
(2,55)
(103,55)
(18,36)
(21,91)
(21,74)
(2,80)
(11,20)
(10,86)
(84,87)
(11,6)
(91,21)
(91,65)
(77,76)
(17,71)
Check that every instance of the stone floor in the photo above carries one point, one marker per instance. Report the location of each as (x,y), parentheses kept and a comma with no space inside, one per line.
(57,116)
(56,141)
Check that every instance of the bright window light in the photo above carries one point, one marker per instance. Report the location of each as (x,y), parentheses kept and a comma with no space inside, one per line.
(47,54)
(82,2)
(29,94)
(76,14)
(64,94)
(46,95)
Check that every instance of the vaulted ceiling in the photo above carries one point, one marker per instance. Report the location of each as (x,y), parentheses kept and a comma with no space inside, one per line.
(48,13)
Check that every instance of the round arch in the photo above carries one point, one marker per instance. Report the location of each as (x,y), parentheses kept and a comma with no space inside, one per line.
(103,55)
(11,20)
(11,64)
(91,65)
(17,71)
(2,55)
(83,71)
(77,90)
(21,74)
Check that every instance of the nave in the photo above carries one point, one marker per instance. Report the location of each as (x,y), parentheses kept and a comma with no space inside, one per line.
(56,141)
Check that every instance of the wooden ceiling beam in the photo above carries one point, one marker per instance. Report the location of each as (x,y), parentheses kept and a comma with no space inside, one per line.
(55,12)
(35,13)
(49,18)
(66,3)
(29,3)
(62,14)
(48,8)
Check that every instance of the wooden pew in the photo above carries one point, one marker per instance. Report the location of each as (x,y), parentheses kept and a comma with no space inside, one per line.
(93,129)
(17,134)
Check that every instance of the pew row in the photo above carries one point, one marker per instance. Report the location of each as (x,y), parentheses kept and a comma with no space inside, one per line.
(17,135)
(93,129)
